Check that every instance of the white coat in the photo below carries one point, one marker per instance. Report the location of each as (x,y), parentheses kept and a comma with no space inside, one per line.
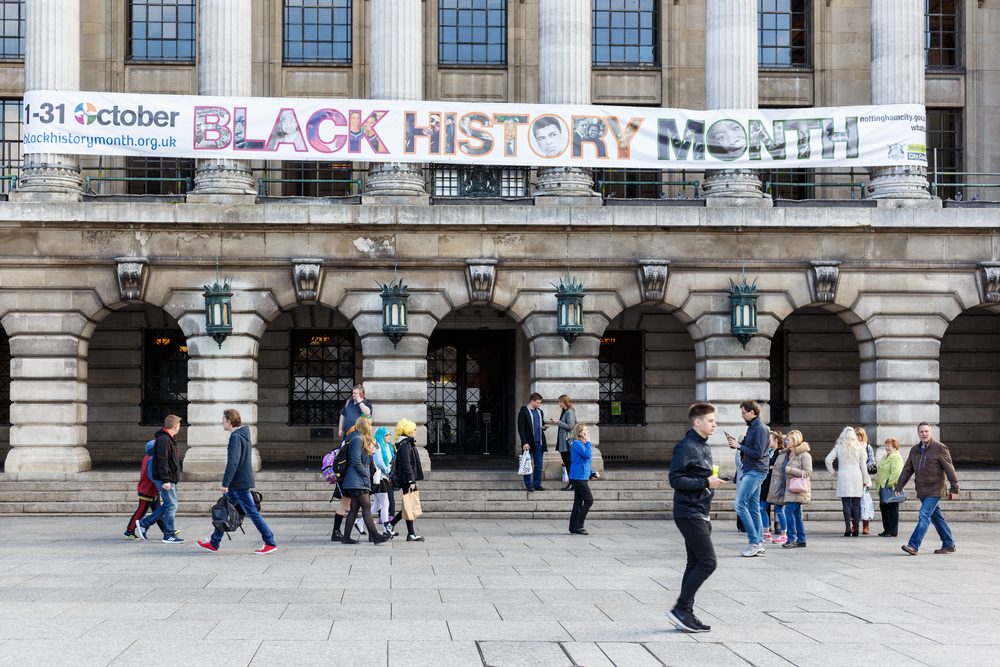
(852,471)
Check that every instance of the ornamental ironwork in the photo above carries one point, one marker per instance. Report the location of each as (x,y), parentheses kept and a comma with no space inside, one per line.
(322,375)
(164,375)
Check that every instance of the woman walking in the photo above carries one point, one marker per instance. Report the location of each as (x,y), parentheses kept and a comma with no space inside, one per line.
(869,462)
(772,492)
(889,469)
(852,477)
(579,478)
(798,487)
(566,424)
(381,486)
(409,471)
(358,480)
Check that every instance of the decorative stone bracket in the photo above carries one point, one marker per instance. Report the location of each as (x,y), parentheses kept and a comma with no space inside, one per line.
(991,281)
(480,277)
(307,273)
(653,275)
(132,272)
(823,277)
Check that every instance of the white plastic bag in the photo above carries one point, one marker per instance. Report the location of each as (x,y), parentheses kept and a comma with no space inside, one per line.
(565,475)
(525,466)
(867,506)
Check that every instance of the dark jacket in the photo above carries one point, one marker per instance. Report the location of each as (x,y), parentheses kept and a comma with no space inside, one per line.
(239,461)
(526,429)
(409,470)
(166,461)
(690,468)
(929,467)
(756,444)
(359,464)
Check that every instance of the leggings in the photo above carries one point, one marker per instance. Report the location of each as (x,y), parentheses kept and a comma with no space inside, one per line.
(140,511)
(380,504)
(362,503)
(852,512)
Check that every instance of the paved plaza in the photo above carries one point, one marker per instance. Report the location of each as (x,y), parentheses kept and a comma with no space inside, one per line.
(492,593)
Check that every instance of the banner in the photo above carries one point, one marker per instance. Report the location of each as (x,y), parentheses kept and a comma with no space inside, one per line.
(515,135)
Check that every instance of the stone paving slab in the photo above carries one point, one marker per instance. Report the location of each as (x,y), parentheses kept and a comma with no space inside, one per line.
(487,593)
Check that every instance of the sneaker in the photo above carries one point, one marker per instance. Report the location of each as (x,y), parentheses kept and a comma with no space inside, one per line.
(767,536)
(761,551)
(685,621)
(790,545)
(908,549)
(800,545)
(779,539)
(129,535)
(414,538)
(751,550)
(945,550)
(140,530)
(173,539)
(207,545)
(266,549)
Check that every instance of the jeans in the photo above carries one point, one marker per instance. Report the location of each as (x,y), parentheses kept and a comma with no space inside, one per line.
(701,563)
(534,480)
(243,499)
(747,504)
(583,499)
(793,523)
(779,515)
(930,512)
(167,510)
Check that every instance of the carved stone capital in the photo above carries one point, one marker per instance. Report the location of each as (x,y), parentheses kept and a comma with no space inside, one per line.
(823,278)
(132,273)
(307,274)
(652,275)
(480,277)
(990,281)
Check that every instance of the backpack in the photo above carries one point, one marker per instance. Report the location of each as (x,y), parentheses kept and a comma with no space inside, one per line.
(226,517)
(334,465)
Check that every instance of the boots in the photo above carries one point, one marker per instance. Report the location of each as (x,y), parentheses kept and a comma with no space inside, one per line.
(864,527)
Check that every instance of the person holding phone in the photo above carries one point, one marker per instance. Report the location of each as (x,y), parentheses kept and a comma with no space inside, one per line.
(755,455)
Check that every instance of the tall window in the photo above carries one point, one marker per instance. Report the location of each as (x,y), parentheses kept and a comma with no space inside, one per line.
(322,375)
(625,32)
(10,141)
(162,30)
(12,29)
(783,30)
(317,179)
(620,378)
(944,149)
(628,183)
(779,377)
(159,175)
(4,378)
(941,34)
(472,32)
(318,31)
(164,375)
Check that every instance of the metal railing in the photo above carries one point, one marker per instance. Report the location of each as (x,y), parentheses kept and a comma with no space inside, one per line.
(264,185)
(952,185)
(88,182)
(602,187)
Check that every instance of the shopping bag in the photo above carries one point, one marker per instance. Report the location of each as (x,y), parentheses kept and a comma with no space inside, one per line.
(867,507)
(887,496)
(565,475)
(411,505)
(525,466)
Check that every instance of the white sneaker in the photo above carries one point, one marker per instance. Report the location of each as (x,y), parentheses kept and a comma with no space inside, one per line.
(751,550)
(140,531)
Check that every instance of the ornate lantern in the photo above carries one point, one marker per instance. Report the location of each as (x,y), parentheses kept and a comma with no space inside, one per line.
(219,311)
(743,309)
(569,309)
(395,297)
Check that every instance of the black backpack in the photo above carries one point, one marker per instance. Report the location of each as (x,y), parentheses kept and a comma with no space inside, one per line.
(340,462)
(226,516)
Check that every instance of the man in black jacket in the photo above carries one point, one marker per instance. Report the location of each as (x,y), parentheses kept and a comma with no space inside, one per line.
(694,483)
(165,472)
(531,432)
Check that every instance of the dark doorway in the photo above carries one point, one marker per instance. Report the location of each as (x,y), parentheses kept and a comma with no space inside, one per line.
(470,392)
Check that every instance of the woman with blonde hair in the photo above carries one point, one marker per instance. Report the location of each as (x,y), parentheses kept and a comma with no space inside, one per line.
(889,469)
(851,475)
(579,478)
(358,480)
(408,472)
(870,462)
(798,468)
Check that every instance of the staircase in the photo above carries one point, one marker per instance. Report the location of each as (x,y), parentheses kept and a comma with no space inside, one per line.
(453,494)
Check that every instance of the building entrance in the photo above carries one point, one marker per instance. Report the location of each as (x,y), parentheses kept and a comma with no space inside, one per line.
(470,392)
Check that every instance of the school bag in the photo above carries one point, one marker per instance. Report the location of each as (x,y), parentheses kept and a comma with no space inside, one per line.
(226,516)
(334,465)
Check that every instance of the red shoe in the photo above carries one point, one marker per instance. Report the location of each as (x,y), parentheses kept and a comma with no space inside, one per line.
(266,549)
(207,546)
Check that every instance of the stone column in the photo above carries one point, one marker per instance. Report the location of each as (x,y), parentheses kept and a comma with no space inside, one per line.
(224,69)
(396,73)
(51,62)
(731,83)
(48,392)
(564,68)
(898,78)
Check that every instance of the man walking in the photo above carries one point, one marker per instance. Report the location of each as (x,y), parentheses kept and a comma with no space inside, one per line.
(694,483)
(754,454)
(165,471)
(531,430)
(929,463)
(238,480)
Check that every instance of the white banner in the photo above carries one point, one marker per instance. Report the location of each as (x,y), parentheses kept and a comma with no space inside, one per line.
(471,132)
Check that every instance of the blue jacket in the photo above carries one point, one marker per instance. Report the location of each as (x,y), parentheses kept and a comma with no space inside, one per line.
(239,461)
(690,468)
(359,463)
(580,453)
(755,446)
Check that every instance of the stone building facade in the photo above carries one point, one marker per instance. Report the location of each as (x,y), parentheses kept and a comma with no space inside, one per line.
(880,311)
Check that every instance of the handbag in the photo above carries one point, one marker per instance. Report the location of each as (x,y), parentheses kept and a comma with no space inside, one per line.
(411,505)
(867,507)
(887,496)
(525,466)
(799,485)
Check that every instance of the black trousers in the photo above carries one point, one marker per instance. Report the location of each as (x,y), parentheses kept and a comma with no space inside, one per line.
(565,459)
(701,562)
(890,518)
(583,499)
(852,512)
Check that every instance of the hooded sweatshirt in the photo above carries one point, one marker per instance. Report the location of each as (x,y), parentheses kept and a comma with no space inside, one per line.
(146,489)
(239,461)
(166,464)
